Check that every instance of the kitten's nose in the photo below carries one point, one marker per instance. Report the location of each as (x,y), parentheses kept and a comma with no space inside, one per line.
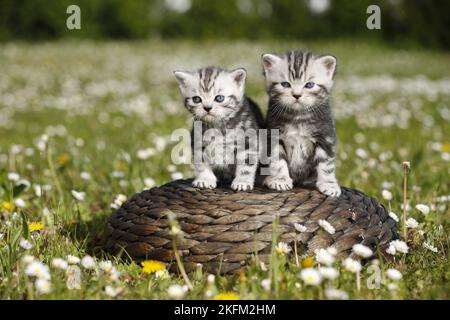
(207,108)
(296,96)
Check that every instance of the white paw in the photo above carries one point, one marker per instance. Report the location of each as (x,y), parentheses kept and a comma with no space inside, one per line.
(204,183)
(241,185)
(330,189)
(280,184)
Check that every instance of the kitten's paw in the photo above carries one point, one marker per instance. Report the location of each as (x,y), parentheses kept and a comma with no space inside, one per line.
(280,184)
(241,185)
(204,183)
(330,189)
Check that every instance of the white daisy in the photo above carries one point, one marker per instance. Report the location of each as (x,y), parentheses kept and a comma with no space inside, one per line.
(362,250)
(352,265)
(88,262)
(336,294)
(59,263)
(78,195)
(423,208)
(326,226)
(282,248)
(299,227)
(73,259)
(43,286)
(311,276)
(386,194)
(176,291)
(393,216)
(329,273)
(323,256)
(412,223)
(394,274)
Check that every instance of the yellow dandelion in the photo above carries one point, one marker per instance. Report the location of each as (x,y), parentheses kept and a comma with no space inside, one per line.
(445,147)
(227,296)
(152,266)
(308,262)
(35,226)
(62,159)
(6,206)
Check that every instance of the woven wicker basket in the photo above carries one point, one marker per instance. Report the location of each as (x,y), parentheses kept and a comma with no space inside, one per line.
(224,229)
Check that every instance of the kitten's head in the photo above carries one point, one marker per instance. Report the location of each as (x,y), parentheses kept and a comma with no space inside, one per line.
(212,94)
(298,80)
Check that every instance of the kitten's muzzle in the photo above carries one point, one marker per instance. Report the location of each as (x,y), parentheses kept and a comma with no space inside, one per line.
(207,108)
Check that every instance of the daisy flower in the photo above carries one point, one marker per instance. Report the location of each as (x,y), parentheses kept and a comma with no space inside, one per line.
(78,195)
(176,291)
(412,223)
(329,273)
(326,226)
(59,263)
(88,262)
(38,269)
(282,248)
(386,194)
(336,294)
(423,208)
(352,265)
(299,227)
(323,256)
(43,286)
(362,250)
(311,276)
(394,274)
(73,259)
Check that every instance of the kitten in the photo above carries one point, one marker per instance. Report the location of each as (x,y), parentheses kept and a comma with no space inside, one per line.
(216,97)
(299,86)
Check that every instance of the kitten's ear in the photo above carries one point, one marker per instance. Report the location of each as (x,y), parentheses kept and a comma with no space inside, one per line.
(328,63)
(239,75)
(182,77)
(269,60)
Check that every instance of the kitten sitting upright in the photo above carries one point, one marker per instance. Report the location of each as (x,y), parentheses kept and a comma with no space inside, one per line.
(299,86)
(216,99)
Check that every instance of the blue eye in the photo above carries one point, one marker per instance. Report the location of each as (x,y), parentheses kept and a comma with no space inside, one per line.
(219,98)
(285,84)
(309,85)
(196,99)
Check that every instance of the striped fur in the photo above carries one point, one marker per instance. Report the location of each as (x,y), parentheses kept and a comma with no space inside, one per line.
(224,127)
(306,150)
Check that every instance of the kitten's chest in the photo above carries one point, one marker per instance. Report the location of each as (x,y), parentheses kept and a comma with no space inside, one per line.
(220,150)
(299,144)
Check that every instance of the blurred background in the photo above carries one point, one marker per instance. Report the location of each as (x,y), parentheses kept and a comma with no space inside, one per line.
(418,22)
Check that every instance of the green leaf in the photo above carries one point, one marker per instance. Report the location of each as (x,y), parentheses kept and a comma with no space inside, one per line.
(25,230)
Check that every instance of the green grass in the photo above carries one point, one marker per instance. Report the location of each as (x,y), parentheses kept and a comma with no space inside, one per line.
(100,103)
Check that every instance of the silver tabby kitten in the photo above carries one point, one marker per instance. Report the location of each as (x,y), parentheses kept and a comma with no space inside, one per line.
(216,97)
(299,86)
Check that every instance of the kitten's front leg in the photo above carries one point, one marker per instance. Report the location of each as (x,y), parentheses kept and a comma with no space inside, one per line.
(245,177)
(326,177)
(278,178)
(204,177)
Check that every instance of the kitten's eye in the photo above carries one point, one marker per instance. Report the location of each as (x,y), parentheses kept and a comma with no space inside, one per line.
(196,99)
(219,98)
(309,85)
(285,84)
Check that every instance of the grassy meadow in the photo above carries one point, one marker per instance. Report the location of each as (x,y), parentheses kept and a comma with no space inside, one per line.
(84,124)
